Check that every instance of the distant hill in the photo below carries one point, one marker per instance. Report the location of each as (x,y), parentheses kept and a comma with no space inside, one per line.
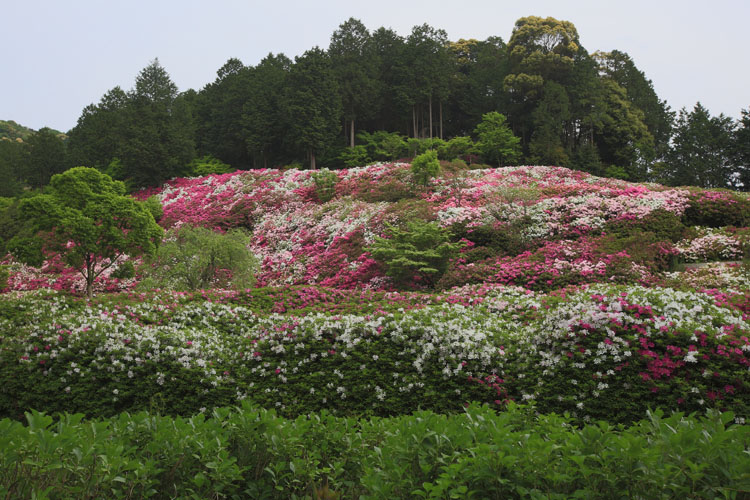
(13,131)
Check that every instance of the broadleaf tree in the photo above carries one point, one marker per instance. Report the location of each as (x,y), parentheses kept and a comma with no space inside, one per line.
(86,218)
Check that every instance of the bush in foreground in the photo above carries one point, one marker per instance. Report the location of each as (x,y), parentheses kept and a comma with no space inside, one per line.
(252,453)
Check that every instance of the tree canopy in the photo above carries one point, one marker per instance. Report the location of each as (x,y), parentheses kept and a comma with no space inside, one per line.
(85,217)
(593,111)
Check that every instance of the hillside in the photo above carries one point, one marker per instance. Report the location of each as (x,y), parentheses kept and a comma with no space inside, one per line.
(575,294)
(13,131)
(542,228)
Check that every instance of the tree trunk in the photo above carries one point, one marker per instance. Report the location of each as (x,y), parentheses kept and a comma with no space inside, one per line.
(312,159)
(351,135)
(89,278)
(414,120)
(430,117)
(441,119)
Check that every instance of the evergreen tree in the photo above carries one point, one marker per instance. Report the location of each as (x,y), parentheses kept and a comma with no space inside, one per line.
(314,105)
(46,157)
(701,150)
(219,108)
(355,65)
(741,152)
(264,117)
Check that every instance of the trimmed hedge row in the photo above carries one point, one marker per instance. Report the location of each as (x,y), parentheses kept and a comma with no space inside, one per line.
(605,352)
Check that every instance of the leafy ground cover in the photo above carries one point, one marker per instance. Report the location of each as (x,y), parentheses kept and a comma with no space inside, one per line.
(592,298)
(254,453)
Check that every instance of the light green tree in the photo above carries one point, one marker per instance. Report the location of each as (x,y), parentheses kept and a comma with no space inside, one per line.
(496,142)
(425,166)
(421,251)
(193,258)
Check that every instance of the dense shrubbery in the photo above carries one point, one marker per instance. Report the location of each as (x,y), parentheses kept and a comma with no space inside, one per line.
(606,353)
(253,453)
(193,258)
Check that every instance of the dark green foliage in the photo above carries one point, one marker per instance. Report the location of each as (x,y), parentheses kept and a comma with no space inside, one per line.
(424,167)
(663,224)
(11,222)
(717,209)
(741,152)
(218,111)
(701,152)
(313,103)
(504,239)
(418,254)
(355,65)
(150,130)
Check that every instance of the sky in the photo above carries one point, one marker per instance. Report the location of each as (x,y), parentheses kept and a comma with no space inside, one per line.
(59,57)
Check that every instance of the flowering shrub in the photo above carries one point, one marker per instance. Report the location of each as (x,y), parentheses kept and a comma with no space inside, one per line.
(711,246)
(602,352)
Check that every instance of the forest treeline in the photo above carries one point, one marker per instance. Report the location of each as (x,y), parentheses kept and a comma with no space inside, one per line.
(375,95)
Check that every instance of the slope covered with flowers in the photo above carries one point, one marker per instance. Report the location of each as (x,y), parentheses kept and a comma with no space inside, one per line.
(561,223)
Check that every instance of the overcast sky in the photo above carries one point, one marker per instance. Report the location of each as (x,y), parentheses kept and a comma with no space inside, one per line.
(58,57)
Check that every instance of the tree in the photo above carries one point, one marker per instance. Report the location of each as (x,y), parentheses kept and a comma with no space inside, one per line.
(355,66)
(430,62)
(313,103)
(418,253)
(159,136)
(496,142)
(149,129)
(46,157)
(13,160)
(395,74)
(657,115)
(99,135)
(264,115)
(701,150)
(219,107)
(549,119)
(741,152)
(622,138)
(539,50)
(479,69)
(193,258)
(425,166)
(86,217)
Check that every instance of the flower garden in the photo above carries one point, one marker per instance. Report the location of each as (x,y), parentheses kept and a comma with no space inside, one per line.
(599,306)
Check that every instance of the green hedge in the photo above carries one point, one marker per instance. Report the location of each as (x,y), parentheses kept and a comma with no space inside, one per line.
(605,352)
(252,453)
